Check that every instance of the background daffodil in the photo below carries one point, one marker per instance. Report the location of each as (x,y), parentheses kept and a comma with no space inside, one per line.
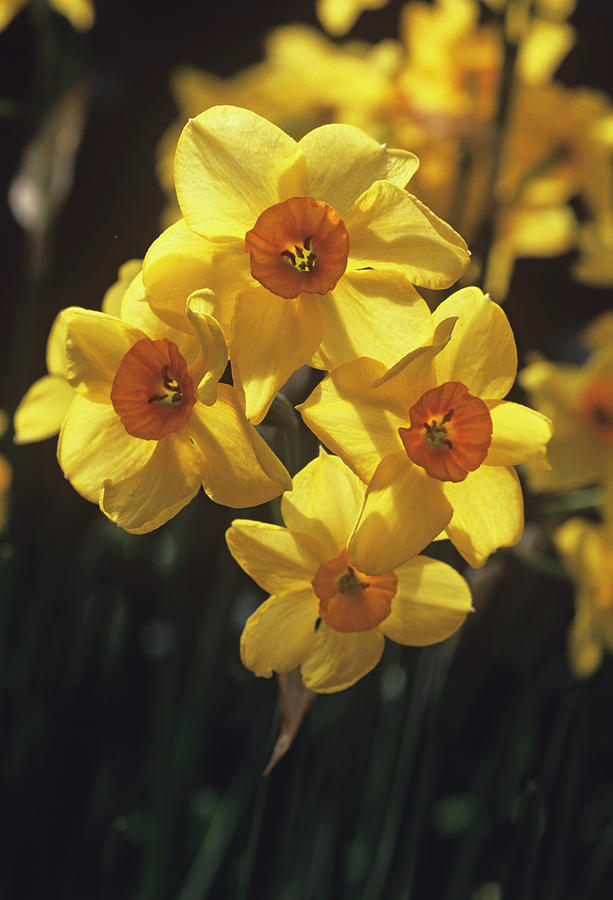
(320,235)
(324,614)
(434,439)
(587,551)
(150,423)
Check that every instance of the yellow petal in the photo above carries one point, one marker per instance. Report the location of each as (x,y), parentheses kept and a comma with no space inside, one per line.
(519,435)
(481,353)
(337,660)
(231,165)
(80,13)
(277,559)
(372,313)
(431,603)
(404,510)
(111,303)
(337,16)
(213,347)
(95,345)
(180,262)
(94,446)
(55,356)
(242,470)
(41,411)
(324,503)
(159,490)
(343,162)
(278,635)
(389,228)
(488,512)
(272,337)
(356,421)
(8,10)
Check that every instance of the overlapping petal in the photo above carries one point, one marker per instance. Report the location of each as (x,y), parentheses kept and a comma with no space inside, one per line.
(95,345)
(324,503)
(431,603)
(272,337)
(41,411)
(488,512)
(94,446)
(482,353)
(155,493)
(278,559)
(278,635)
(392,229)
(519,435)
(404,511)
(342,162)
(337,660)
(241,470)
(360,300)
(224,181)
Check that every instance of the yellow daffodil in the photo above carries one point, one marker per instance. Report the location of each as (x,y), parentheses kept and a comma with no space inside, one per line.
(150,423)
(326,615)
(80,13)
(579,401)
(587,551)
(320,236)
(434,439)
(41,411)
(338,16)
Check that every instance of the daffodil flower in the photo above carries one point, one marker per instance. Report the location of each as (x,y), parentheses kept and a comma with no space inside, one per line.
(579,401)
(150,423)
(434,439)
(325,614)
(42,409)
(587,551)
(320,243)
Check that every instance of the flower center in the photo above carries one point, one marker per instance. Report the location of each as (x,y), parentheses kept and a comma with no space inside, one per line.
(298,246)
(596,404)
(350,601)
(450,432)
(152,392)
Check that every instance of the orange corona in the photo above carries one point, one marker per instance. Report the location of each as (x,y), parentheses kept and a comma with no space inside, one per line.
(152,392)
(350,601)
(298,246)
(450,432)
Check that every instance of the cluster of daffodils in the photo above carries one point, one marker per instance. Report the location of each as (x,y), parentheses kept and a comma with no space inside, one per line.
(579,401)
(80,13)
(292,253)
(470,87)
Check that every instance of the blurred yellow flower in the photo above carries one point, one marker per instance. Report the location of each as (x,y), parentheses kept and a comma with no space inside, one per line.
(325,615)
(587,551)
(434,439)
(579,401)
(338,16)
(42,409)
(150,423)
(320,235)
(80,13)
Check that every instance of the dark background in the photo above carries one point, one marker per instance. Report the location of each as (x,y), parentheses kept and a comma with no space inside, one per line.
(132,738)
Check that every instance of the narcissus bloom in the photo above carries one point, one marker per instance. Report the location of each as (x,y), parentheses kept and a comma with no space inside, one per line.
(41,411)
(325,614)
(579,401)
(587,551)
(150,423)
(434,439)
(319,237)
